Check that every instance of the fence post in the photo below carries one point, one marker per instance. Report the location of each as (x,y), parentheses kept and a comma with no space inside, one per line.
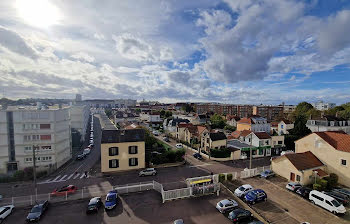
(191,191)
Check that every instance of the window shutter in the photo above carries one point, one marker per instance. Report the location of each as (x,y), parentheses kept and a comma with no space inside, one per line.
(110,163)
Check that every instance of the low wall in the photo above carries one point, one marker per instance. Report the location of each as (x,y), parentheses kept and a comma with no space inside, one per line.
(211,158)
(168,164)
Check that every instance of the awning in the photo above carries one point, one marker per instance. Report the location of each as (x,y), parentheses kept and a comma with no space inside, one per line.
(321,173)
(201,181)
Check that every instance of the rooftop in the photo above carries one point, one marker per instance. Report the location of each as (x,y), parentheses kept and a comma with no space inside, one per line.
(338,139)
(217,136)
(262,135)
(118,136)
(303,161)
(235,143)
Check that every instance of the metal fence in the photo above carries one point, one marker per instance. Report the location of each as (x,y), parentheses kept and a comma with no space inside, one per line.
(253,172)
(177,194)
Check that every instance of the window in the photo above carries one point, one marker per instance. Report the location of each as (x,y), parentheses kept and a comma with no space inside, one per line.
(45,126)
(45,137)
(46,147)
(343,162)
(317,197)
(26,138)
(280,142)
(328,203)
(133,162)
(28,159)
(27,148)
(132,149)
(113,163)
(113,151)
(281,126)
(35,137)
(298,178)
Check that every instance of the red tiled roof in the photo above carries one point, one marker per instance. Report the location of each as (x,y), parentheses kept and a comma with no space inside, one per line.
(304,161)
(184,125)
(286,121)
(338,139)
(274,124)
(201,129)
(246,121)
(235,134)
(262,135)
(321,173)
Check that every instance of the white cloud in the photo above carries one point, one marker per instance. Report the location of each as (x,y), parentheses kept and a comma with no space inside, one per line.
(83,56)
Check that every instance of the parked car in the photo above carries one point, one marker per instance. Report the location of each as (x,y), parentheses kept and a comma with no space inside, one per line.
(69,189)
(37,212)
(198,156)
(148,172)
(255,222)
(327,202)
(292,186)
(156,133)
(340,197)
(303,191)
(91,146)
(111,200)
(242,190)
(179,221)
(5,211)
(254,196)
(344,191)
(166,139)
(87,151)
(226,205)
(239,214)
(80,156)
(94,204)
(267,173)
(179,145)
(91,141)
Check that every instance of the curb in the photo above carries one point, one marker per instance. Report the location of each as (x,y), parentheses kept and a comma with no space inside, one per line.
(169,165)
(256,215)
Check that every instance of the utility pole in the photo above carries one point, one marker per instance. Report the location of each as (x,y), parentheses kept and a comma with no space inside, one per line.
(34,170)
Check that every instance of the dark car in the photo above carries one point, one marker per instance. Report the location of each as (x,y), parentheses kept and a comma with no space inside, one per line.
(254,196)
(166,139)
(80,156)
(239,214)
(340,197)
(304,192)
(256,222)
(37,212)
(94,204)
(343,191)
(197,156)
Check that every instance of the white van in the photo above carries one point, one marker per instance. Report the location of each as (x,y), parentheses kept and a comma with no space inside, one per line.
(326,202)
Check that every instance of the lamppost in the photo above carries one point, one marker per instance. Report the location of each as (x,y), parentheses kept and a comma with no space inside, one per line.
(315,172)
(34,169)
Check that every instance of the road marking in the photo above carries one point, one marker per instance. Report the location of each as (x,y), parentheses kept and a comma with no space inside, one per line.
(70,176)
(63,177)
(77,175)
(82,175)
(56,178)
(205,164)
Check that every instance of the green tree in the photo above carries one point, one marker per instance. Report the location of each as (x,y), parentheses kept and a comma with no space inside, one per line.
(303,108)
(188,108)
(230,128)
(162,113)
(168,114)
(217,121)
(108,112)
(300,130)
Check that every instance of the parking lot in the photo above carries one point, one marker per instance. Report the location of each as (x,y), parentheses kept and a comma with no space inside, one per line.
(145,207)
(284,206)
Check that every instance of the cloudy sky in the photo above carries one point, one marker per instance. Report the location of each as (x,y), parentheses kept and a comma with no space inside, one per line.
(231,51)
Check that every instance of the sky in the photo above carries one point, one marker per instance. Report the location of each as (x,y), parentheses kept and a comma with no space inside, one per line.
(230,51)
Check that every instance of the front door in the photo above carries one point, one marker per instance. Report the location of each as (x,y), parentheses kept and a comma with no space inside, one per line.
(292,176)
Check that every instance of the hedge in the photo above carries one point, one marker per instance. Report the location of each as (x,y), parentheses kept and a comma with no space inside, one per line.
(221,177)
(229,176)
(220,153)
(317,187)
(169,156)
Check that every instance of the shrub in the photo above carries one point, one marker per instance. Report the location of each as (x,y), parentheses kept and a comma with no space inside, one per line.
(220,153)
(229,176)
(317,187)
(169,156)
(332,180)
(18,175)
(323,183)
(221,177)
(205,152)
(41,174)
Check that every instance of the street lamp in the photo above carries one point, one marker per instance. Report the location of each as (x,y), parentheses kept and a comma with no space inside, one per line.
(315,172)
(34,169)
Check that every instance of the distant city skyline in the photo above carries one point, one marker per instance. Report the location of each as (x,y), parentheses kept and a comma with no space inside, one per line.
(230,51)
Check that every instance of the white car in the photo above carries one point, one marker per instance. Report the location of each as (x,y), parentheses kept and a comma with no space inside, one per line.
(148,172)
(293,186)
(179,145)
(242,190)
(87,151)
(226,205)
(5,211)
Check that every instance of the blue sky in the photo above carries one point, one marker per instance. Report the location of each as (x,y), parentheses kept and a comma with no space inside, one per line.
(230,51)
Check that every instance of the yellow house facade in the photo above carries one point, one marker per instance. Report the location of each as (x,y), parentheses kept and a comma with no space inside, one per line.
(332,148)
(122,150)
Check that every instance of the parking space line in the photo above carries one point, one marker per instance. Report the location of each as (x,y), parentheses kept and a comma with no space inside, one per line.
(63,177)
(82,175)
(58,177)
(70,176)
(77,175)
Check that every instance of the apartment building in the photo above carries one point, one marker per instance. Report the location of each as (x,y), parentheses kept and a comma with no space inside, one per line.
(328,123)
(225,109)
(288,109)
(47,130)
(254,123)
(122,150)
(323,106)
(271,113)
(79,117)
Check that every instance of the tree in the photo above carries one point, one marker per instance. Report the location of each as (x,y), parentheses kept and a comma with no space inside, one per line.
(168,114)
(230,128)
(162,113)
(188,108)
(217,121)
(108,112)
(300,130)
(303,108)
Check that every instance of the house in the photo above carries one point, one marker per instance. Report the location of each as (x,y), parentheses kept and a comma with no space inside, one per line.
(332,148)
(213,140)
(299,167)
(122,150)
(284,126)
(193,133)
(240,135)
(277,144)
(254,123)
(328,123)
(180,130)
(201,119)
(152,119)
(169,125)
(274,127)
(261,140)
(232,120)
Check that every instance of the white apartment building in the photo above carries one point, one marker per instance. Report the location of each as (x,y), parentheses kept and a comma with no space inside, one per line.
(24,128)
(323,106)
(79,117)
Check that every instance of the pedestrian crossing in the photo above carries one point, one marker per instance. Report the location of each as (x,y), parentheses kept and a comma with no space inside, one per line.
(65,177)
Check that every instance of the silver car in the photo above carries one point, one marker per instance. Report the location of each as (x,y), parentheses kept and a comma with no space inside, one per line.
(148,172)
(226,205)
